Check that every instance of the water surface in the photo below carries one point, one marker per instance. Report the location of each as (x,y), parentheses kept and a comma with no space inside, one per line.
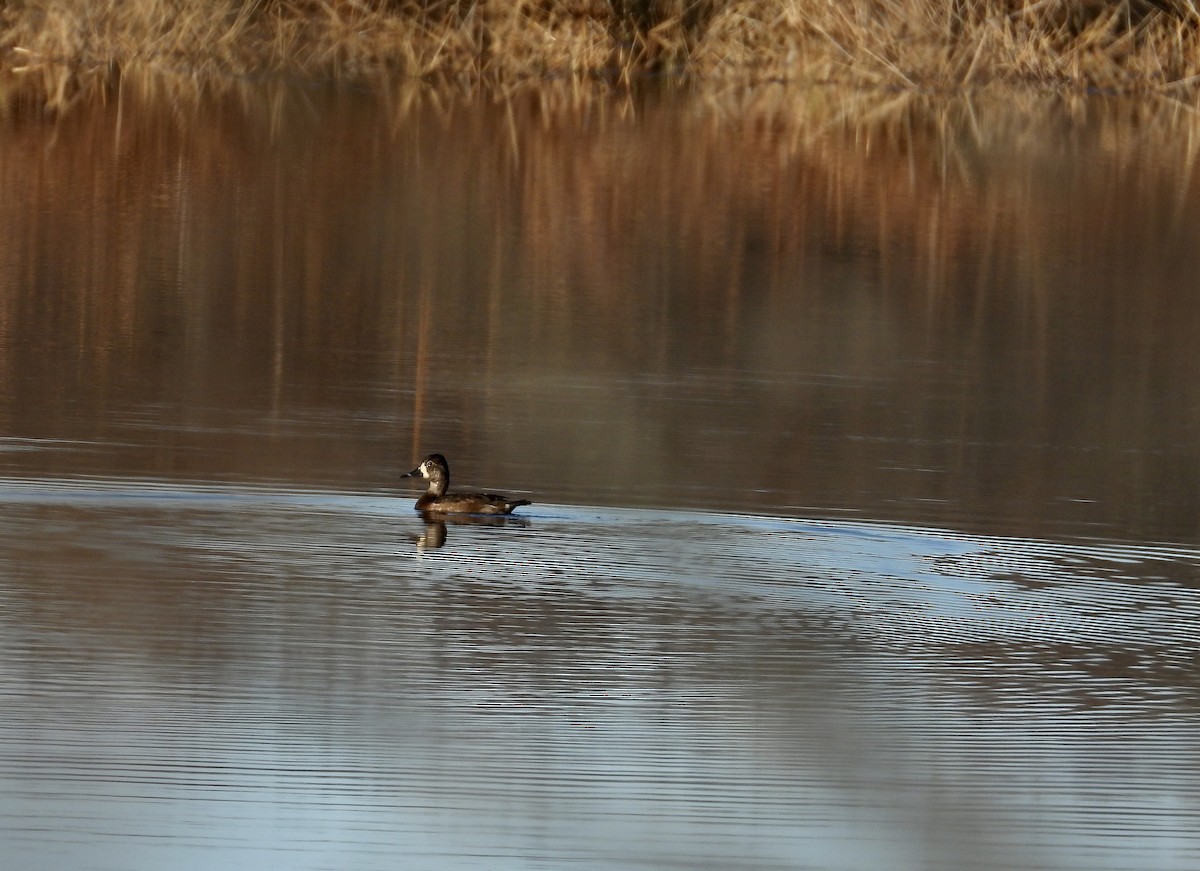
(864,457)
(253,677)
(975,316)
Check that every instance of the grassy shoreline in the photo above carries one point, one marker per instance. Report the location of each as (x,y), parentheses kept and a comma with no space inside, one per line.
(54,52)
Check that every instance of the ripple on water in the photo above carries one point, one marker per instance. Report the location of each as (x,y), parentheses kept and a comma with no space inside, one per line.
(257,676)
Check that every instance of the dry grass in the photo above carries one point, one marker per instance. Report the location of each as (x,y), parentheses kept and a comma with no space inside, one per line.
(952,44)
(55,51)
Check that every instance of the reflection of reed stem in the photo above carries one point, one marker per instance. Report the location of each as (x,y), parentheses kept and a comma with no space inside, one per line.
(424,316)
(278,305)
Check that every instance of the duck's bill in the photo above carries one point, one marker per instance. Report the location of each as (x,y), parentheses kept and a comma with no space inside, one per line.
(413,474)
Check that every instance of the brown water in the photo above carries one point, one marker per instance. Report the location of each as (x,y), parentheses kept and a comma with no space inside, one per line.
(865,461)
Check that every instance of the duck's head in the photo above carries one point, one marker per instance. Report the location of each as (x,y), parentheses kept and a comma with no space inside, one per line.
(432,468)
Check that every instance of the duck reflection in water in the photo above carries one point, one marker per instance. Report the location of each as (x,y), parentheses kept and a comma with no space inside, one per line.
(435,532)
(436,500)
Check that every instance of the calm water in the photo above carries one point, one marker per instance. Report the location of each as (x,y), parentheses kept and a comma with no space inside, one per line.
(866,463)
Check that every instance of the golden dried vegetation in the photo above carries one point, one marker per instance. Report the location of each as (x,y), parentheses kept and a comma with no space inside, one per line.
(55,51)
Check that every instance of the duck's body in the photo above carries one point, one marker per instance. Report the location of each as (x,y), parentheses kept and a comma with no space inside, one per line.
(436,500)
(468,503)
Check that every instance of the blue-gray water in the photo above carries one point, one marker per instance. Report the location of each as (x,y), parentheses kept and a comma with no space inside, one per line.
(865,462)
(248,678)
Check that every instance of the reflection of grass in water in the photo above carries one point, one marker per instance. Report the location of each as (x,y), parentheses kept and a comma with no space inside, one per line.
(54,52)
(589,260)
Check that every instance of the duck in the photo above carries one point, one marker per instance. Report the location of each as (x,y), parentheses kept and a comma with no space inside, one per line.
(436,500)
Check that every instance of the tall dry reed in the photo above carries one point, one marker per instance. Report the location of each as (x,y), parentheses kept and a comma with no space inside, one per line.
(55,51)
